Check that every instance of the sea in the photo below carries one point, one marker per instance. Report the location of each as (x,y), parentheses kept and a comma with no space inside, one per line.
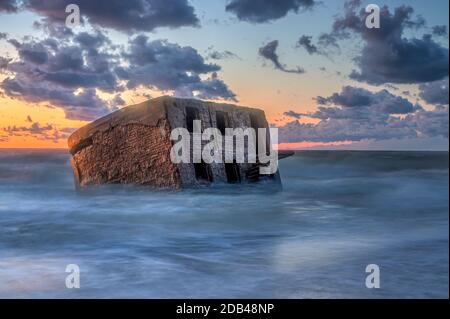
(339,215)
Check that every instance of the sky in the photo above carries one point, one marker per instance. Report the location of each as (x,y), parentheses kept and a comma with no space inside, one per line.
(322,77)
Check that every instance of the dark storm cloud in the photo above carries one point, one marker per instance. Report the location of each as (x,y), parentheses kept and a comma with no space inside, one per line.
(327,40)
(260,11)
(340,130)
(293,114)
(89,40)
(118,101)
(440,30)
(4,63)
(415,61)
(435,92)
(63,73)
(68,73)
(388,56)
(83,106)
(420,124)
(70,65)
(35,128)
(42,132)
(352,101)
(217,55)
(143,51)
(54,30)
(269,52)
(212,88)
(306,43)
(128,16)
(167,66)
(431,123)
(355,114)
(32,52)
(349,97)
(9,5)
(327,43)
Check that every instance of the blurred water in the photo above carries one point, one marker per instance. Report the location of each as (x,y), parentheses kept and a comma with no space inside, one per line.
(338,212)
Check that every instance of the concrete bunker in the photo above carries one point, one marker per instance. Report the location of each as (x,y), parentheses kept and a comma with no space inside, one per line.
(132,145)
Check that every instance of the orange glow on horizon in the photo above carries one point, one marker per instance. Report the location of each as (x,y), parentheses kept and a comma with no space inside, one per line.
(17,118)
(16,113)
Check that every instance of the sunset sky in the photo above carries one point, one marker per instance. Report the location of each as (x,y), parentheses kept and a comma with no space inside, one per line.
(321,76)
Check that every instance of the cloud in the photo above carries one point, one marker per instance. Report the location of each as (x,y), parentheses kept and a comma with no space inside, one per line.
(54,30)
(361,104)
(33,52)
(217,55)
(341,130)
(388,56)
(4,63)
(47,132)
(435,92)
(356,114)
(35,128)
(83,106)
(293,114)
(327,40)
(127,16)
(440,30)
(382,101)
(66,65)
(89,40)
(117,101)
(167,66)
(326,45)
(260,11)
(306,43)
(431,123)
(9,6)
(63,73)
(268,51)
(212,88)
(69,72)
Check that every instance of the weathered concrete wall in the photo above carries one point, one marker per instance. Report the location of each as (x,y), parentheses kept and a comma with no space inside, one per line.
(131,145)
(132,153)
(238,117)
(176,114)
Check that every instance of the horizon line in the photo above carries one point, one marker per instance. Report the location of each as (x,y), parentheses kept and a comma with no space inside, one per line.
(283,149)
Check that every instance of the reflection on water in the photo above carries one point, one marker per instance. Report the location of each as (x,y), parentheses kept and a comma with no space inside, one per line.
(338,212)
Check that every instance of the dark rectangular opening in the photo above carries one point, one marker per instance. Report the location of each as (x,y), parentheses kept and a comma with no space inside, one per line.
(268,143)
(232,171)
(254,124)
(222,121)
(191,115)
(254,121)
(202,172)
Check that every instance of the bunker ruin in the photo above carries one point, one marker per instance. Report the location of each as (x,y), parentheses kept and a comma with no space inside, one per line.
(133,144)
